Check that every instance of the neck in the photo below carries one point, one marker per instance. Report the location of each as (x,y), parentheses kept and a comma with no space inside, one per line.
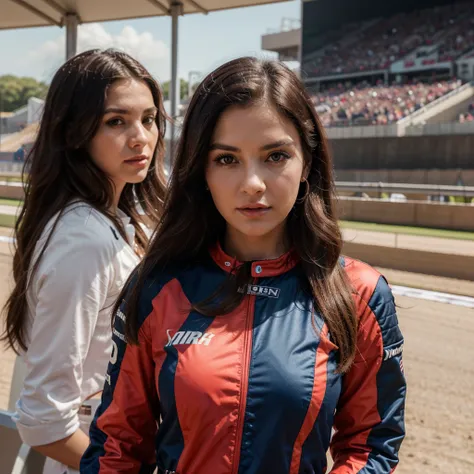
(247,248)
(117,189)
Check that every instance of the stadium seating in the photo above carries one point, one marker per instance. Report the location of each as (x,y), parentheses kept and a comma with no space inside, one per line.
(449,28)
(377,105)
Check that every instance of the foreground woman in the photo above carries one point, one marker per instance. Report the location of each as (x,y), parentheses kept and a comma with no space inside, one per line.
(244,337)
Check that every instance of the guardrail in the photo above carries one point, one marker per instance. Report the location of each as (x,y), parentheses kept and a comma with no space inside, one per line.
(428,189)
(10,167)
(17,457)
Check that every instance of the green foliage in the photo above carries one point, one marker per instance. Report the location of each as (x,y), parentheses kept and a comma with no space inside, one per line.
(183,89)
(15,91)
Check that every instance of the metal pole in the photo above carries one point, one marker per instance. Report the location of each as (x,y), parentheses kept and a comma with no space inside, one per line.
(192,75)
(71,21)
(176,10)
(300,50)
(190,78)
(1,117)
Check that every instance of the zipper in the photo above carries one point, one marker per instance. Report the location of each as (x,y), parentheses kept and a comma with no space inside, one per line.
(249,317)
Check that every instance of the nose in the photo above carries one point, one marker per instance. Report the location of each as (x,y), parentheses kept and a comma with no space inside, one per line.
(138,136)
(253,181)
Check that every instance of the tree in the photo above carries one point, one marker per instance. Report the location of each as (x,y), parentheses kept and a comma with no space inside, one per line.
(15,91)
(183,89)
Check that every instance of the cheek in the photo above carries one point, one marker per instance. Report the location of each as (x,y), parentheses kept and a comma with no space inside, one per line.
(221,189)
(286,189)
(221,195)
(153,136)
(105,147)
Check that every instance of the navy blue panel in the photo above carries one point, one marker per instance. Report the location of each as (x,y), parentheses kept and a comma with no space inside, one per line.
(313,457)
(281,377)
(90,462)
(382,305)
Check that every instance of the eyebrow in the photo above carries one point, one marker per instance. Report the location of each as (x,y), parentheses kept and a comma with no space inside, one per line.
(117,110)
(269,146)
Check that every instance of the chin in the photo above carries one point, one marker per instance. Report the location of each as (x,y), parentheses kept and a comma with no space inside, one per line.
(257,230)
(138,178)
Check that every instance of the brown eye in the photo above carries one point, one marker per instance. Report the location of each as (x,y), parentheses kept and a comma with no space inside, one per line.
(225,159)
(278,157)
(115,122)
(149,120)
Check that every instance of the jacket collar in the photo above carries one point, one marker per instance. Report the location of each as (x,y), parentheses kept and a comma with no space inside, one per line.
(260,268)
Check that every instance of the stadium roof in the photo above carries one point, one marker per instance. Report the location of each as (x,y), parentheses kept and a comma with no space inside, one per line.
(29,13)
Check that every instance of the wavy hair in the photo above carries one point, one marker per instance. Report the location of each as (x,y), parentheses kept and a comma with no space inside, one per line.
(191,223)
(59,169)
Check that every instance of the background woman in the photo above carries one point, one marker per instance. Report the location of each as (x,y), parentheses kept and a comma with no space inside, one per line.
(97,157)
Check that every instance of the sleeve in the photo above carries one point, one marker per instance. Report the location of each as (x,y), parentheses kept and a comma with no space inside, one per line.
(122,434)
(71,286)
(369,421)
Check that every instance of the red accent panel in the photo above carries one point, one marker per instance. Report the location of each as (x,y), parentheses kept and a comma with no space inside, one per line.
(170,310)
(210,391)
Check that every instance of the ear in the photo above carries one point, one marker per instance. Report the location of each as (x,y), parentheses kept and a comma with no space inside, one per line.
(306,169)
(305,174)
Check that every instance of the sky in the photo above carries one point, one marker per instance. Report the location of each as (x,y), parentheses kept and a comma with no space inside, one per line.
(205,41)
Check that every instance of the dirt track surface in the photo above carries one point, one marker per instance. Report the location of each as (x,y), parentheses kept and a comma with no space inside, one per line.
(438,361)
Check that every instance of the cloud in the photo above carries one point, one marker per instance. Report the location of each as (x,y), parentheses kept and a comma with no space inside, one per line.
(154,54)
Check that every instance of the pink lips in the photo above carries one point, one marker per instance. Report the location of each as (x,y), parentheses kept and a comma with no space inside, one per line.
(254,210)
(139,161)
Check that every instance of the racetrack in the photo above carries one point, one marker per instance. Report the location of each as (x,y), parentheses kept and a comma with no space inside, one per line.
(438,361)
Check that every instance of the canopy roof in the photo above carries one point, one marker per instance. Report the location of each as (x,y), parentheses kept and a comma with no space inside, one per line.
(29,13)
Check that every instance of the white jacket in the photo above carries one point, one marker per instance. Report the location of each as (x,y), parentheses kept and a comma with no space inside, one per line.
(70,297)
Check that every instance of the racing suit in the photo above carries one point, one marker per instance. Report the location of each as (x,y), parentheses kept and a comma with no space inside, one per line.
(255,391)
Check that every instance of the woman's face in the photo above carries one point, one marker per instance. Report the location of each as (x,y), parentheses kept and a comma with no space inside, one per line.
(254,171)
(125,142)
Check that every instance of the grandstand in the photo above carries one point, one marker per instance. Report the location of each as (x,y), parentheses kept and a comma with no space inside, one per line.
(26,136)
(436,36)
(388,65)
(18,128)
(393,83)
(377,64)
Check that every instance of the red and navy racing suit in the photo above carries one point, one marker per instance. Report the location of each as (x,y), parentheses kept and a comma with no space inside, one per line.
(255,391)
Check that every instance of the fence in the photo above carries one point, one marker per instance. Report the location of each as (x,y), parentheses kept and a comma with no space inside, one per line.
(16,458)
(427,189)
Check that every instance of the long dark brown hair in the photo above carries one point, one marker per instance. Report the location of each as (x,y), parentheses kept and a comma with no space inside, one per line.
(59,170)
(191,222)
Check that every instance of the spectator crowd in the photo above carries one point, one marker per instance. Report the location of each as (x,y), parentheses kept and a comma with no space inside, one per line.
(376,45)
(377,105)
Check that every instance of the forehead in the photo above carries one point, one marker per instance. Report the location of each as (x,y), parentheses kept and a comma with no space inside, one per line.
(254,125)
(129,93)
